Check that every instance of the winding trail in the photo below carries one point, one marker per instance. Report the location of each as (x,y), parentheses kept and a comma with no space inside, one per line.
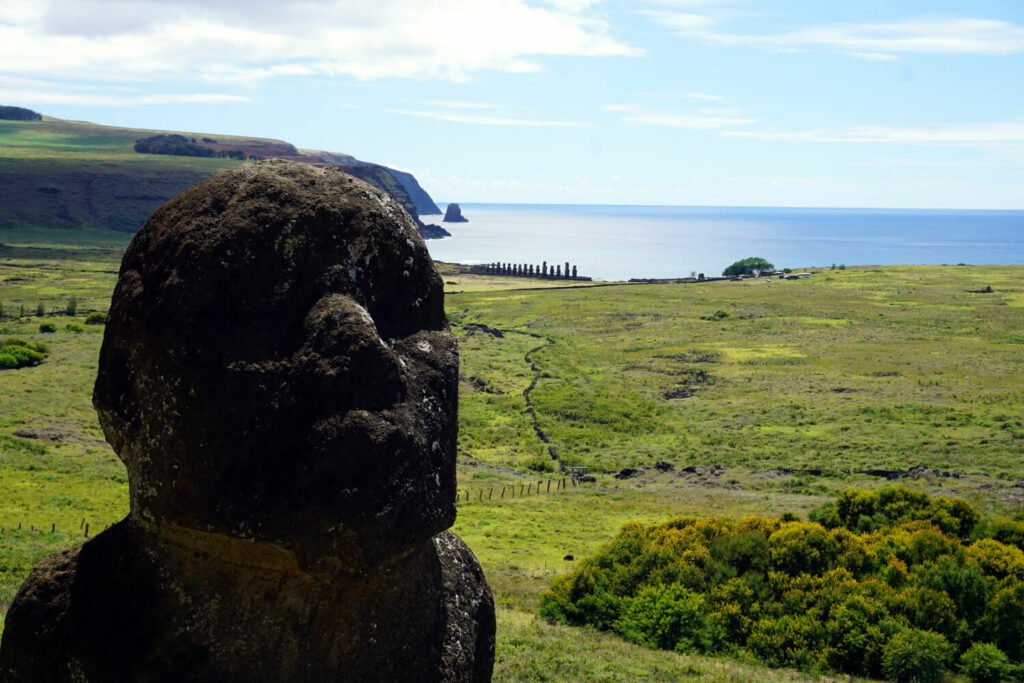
(548,341)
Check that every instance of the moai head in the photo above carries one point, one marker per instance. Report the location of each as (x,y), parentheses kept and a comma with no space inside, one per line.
(277,366)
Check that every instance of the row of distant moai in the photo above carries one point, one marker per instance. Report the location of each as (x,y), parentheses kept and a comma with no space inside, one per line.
(554,272)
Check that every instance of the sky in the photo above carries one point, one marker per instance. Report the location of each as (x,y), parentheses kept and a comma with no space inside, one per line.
(862,103)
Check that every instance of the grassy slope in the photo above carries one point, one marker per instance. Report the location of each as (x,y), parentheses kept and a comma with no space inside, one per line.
(929,368)
(61,176)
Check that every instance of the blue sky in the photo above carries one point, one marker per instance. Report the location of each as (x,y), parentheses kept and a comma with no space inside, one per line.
(690,102)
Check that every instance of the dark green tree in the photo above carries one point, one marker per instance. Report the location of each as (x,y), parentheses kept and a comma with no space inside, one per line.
(748,266)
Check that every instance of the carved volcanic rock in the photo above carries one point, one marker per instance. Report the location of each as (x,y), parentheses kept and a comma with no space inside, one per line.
(453,214)
(279,378)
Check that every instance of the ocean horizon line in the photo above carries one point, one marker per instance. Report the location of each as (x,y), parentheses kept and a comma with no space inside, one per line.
(752,207)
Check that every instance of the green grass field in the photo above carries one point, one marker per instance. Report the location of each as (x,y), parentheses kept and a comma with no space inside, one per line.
(794,394)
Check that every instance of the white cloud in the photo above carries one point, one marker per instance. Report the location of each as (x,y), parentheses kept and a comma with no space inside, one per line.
(486,120)
(36,92)
(875,41)
(702,119)
(226,40)
(963,133)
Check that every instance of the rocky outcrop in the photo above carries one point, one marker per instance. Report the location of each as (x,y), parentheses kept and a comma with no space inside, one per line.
(432,231)
(279,378)
(453,214)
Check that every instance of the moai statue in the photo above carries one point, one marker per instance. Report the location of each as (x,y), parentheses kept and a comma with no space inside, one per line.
(544,269)
(530,271)
(574,272)
(567,269)
(280,380)
(558,271)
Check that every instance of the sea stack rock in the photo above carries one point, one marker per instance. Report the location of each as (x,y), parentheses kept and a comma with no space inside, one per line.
(279,378)
(453,214)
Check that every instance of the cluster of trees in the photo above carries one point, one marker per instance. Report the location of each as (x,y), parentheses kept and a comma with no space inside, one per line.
(748,266)
(19,114)
(18,353)
(893,583)
(179,145)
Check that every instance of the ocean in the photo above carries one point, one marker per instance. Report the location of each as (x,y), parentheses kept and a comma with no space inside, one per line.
(623,242)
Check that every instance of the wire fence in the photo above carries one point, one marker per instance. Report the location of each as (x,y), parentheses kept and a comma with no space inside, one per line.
(492,494)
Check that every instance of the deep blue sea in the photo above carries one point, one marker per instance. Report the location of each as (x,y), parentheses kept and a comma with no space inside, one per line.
(622,242)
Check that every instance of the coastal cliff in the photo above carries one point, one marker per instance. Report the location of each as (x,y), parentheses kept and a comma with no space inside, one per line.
(91,177)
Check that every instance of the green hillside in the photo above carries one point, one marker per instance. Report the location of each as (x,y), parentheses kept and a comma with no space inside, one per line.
(59,177)
(854,378)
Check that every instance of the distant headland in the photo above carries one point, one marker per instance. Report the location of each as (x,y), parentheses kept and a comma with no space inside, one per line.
(104,178)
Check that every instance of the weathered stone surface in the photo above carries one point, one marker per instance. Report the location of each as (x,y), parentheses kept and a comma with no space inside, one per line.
(279,378)
(453,214)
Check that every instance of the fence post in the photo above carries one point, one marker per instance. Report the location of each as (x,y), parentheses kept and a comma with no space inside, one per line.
(86,534)
(549,486)
(481,492)
(563,482)
(521,487)
(502,491)
(489,492)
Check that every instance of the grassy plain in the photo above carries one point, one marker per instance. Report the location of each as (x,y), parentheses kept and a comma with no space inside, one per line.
(793,395)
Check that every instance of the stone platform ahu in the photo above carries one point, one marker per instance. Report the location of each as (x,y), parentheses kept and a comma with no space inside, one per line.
(279,378)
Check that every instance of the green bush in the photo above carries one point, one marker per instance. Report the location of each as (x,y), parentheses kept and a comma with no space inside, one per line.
(18,353)
(47,328)
(986,663)
(669,618)
(72,306)
(880,583)
(96,318)
(74,327)
(40,310)
(916,656)
(541,465)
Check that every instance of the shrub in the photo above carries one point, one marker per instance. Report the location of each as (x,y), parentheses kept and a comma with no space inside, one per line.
(918,656)
(96,318)
(669,618)
(47,328)
(803,547)
(1006,531)
(18,353)
(899,594)
(74,327)
(72,306)
(40,310)
(1003,622)
(986,663)
(540,464)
